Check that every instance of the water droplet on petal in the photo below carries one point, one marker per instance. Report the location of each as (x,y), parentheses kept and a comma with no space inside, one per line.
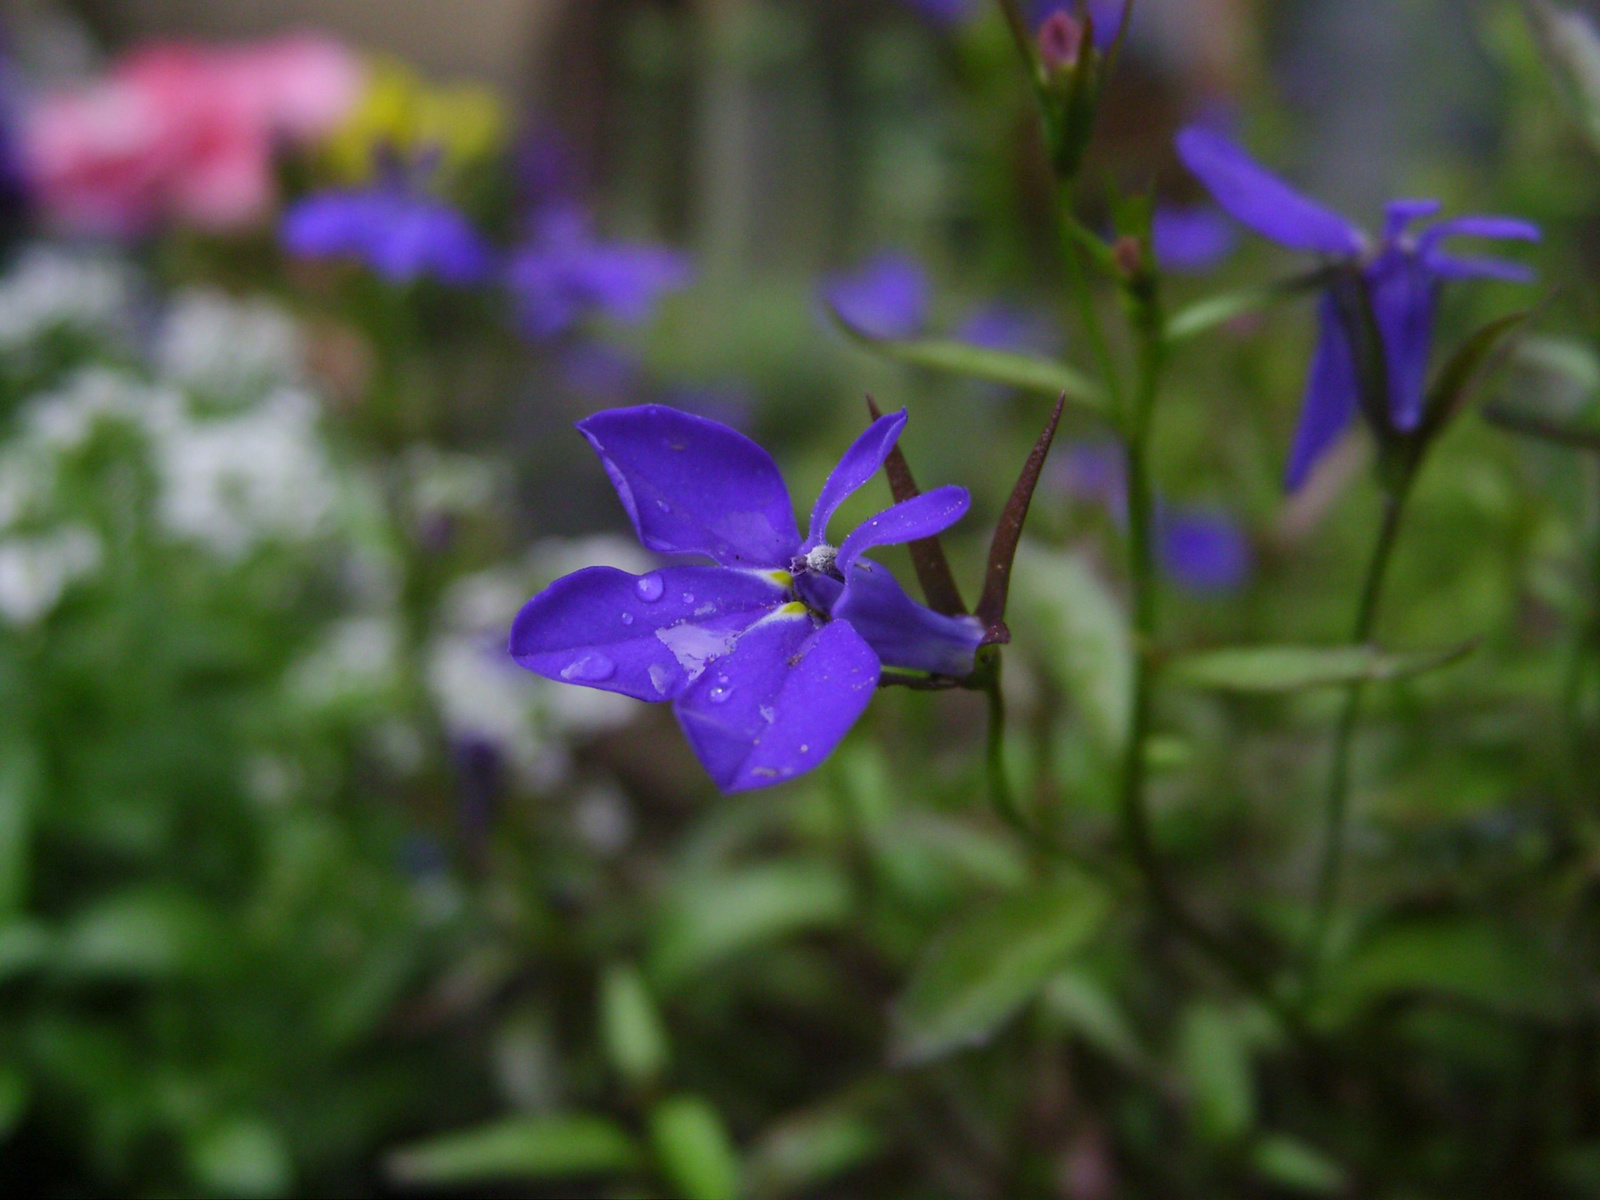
(627,618)
(591,668)
(650,587)
(721,691)
(804,748)
(688,597)
(767,714)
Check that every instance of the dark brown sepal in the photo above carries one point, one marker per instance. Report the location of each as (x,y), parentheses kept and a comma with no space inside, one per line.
(927,555)
(1003,549)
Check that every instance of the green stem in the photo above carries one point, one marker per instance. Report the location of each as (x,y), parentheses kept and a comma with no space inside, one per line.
(1335,813)
(1000,792)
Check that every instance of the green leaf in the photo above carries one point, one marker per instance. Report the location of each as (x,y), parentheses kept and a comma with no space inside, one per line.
(630,1027)
(1214,1055)
(524,1147)
(1289,1163)
(1205,315)
(694,1150)
(709,919)
(1571,47)
(145,932)
(1066,616)
(805,1149)
(1551,393)
(24,945)
(980,972)
(21,781)
(242,1157)
(14,1097)
(1453,384)
(1460,958)
(1082,1004)
(1296,668)
(994,366)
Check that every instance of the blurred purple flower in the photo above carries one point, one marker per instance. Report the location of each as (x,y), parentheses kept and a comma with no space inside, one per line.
(770,656)
(1403,274)
(562,273)
(945,12)
(397,231)
(1095,473)
(1204,550)
(1000,326)
(887,297)
(599,370)
(1193,239)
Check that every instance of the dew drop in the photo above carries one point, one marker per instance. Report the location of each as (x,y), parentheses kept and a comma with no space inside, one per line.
(688,597)
(650,587)
(804,748)
(591,668)
(721,691)
(627,618)
(767,714)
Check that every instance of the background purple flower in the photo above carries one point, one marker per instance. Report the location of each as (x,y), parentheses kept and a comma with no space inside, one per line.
(887,297)
(1403,273)
(401,234)
(1095,473)
(1205,550)
(946,12)
(1193,239)
(563,273)
(1001,326)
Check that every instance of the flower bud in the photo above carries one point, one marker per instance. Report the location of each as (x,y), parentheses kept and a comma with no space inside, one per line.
(1060,43)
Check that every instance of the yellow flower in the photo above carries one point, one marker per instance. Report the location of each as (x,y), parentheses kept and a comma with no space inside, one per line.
(464,124)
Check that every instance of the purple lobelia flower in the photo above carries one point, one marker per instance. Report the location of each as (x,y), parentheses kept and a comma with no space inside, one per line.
(1192,239)
(394,228)
(770,655)
(1204,551)
(887,297)
(1402,275)
(945,12)
(563,272)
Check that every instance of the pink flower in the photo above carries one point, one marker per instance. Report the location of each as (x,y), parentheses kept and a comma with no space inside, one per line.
(182,132)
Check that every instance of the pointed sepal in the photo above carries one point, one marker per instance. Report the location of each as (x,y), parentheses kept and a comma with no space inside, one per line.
(927,555)
(1008,533)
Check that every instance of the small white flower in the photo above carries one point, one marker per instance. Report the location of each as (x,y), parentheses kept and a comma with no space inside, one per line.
(228,348)
(35,572)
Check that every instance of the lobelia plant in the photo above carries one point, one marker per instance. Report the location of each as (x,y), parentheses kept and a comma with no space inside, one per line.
(770,656)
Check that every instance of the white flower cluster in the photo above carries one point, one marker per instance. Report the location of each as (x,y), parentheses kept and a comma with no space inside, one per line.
(230,478)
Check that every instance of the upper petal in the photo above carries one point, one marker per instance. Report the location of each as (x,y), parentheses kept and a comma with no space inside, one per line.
(1494,228)
(859,464)
(1261,200)
(694,486)
(646,636)
(1331,398)
(1460,266)
(902,632)
(779,704)
(925,516)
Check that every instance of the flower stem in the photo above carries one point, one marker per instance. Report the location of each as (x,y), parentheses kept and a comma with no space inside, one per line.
(1001,794)
(1335,813)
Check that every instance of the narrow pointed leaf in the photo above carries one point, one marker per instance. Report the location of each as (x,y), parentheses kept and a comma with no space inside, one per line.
(994,366)
(517,1148)
(1267,669)
(1552,392)
(1003,549)
(979,973)
(694,1150)
(1294,1166)
(1205,315)
(938,582)
(1571,45)
(1450,389)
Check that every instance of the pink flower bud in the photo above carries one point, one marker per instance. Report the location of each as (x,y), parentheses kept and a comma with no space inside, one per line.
(1060,41)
